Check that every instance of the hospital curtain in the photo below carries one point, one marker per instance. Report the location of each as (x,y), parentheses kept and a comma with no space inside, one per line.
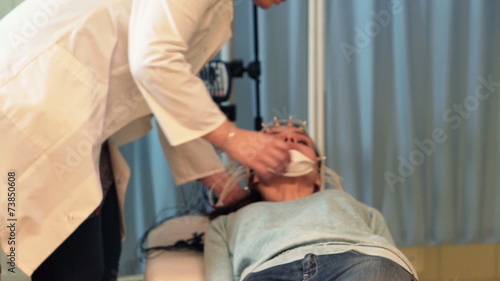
(412,108)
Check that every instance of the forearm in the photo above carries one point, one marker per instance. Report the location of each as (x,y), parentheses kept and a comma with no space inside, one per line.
(218,182)
(261,152)
(222,135)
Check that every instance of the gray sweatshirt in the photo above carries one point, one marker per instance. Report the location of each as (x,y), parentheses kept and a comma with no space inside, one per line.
(266,234)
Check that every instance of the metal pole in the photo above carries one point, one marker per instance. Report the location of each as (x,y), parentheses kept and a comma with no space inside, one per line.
(258,117)
(316,73)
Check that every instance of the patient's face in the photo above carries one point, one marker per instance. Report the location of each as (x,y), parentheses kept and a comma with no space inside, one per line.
(282,188)
(296,139)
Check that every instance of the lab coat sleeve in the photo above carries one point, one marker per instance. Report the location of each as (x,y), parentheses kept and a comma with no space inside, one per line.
(218,266)
(192,160)
(161,33)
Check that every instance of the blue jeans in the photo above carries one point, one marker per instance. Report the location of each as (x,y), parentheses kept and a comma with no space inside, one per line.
(351,265)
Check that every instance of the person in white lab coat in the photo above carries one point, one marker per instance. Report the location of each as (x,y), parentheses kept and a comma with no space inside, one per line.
(79,79)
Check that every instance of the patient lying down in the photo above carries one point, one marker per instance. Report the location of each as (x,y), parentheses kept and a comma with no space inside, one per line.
(289,228)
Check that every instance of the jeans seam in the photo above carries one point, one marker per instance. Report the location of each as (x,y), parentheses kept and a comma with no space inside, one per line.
(306,276)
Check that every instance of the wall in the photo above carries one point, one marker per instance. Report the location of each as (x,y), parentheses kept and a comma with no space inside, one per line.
(472,262)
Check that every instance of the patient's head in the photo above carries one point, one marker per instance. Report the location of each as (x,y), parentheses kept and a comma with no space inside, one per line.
(301,178)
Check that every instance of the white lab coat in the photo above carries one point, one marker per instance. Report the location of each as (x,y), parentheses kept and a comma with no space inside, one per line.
(76,73)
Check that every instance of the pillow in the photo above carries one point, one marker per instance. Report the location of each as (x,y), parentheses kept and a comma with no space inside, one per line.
(183,265)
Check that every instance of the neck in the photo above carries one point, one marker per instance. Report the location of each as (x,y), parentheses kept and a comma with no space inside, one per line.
(286,189)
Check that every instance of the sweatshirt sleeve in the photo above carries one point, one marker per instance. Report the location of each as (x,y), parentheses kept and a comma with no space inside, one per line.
(161,33)
(378,225)
(218,266)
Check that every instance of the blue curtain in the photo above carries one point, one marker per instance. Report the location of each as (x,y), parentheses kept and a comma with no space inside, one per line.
(413,112)
(412,108)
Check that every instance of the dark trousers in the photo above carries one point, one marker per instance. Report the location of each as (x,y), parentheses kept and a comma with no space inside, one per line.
(91,253)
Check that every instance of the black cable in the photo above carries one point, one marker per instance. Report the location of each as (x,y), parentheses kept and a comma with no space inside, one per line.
(197,205)
(195,243)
